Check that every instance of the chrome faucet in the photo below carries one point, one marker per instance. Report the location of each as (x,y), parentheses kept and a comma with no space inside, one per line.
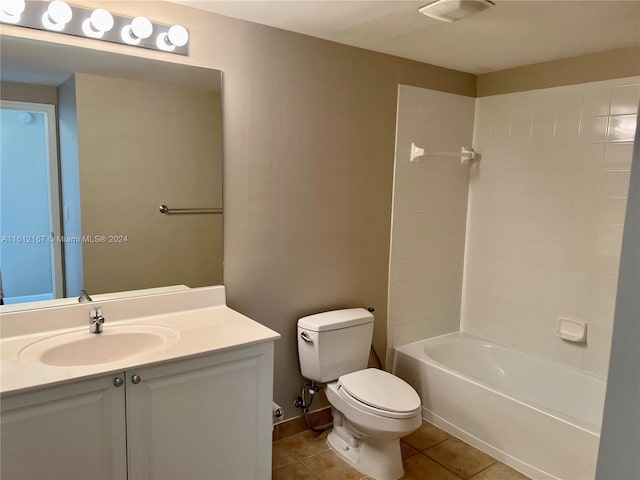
(84,297)
(96,320)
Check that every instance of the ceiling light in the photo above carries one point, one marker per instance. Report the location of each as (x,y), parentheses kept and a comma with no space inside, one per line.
(57,16)
(98,23)
(452,10)
(11,10)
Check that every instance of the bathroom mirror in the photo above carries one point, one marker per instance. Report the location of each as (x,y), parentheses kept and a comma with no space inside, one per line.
(93,143)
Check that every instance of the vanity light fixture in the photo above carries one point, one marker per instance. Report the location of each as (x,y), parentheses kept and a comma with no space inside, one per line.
(11,10)
(99,24)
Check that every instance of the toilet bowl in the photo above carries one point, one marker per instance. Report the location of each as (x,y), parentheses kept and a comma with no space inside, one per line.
(372,409)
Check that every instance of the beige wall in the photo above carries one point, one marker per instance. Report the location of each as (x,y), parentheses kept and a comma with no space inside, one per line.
(164,150)
(622,62)
(308,149)
(22,92)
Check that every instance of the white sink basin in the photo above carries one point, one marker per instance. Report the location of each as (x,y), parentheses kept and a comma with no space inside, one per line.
(114,344)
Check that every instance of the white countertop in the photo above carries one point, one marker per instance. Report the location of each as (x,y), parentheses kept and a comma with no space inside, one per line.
(203,330)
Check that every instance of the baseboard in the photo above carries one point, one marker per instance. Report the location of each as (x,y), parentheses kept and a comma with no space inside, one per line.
(292,426)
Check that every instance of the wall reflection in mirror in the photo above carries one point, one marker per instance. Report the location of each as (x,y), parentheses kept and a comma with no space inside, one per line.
(91,144)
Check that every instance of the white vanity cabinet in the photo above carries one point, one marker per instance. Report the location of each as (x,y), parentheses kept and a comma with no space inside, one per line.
(202,418)
(206,418)
(73,431)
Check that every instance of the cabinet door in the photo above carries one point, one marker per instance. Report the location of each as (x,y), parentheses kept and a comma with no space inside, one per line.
(205,418)
(74,431)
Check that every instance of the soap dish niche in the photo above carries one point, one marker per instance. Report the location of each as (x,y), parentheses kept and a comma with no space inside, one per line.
(572,330)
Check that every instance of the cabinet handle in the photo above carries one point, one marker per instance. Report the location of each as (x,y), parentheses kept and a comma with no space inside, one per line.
(135,379)
(118,381)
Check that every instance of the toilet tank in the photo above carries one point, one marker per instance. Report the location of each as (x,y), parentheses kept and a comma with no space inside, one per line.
(334,343)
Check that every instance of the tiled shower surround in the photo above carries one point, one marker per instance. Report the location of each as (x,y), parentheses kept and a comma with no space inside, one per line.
(544,218)
(429,215)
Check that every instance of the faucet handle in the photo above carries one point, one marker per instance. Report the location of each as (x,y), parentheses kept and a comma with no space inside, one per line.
(96,320)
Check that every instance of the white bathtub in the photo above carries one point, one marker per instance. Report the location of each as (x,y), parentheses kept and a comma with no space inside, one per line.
(538,416)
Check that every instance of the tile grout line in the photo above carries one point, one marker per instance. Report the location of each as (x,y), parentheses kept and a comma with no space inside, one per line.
(447,468)
(435,444)
(308,469)
(443,466)
(316,454)
(301,461)
(430,446)
(485,468)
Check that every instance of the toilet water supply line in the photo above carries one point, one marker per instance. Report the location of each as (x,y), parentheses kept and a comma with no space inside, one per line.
(301,402)
(314,388)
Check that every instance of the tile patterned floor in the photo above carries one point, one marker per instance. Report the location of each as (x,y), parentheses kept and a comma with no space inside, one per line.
(429,453)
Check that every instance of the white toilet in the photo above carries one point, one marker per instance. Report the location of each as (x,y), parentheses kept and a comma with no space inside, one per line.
(372,409)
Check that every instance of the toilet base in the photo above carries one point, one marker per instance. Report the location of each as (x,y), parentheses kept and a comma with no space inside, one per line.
(379,459)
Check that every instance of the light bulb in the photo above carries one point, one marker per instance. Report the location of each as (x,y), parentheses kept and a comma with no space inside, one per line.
(57,16)
(128,37)
(178,36)
(13,7)
(101,20)
(163,43)
(11,10)
(141,27)
(98,23)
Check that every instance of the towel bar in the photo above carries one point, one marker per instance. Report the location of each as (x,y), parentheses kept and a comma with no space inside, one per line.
(173,211)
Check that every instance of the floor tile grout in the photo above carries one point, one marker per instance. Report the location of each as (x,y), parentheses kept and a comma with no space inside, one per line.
(316,454)
(437,462)
(307,442)
(485,468)
(431,446)
(449,470)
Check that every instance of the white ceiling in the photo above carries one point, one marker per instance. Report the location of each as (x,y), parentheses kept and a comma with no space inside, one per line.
(511,34)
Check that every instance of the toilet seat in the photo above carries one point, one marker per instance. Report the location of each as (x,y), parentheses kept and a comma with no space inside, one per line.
(380,393)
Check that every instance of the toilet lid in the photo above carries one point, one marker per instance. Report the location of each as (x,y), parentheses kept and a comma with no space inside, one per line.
(381,390)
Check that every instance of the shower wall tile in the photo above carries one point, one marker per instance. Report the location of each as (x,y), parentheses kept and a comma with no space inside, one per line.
(618,156)
(621,128)
(624,99)
(545,217)
(429,215)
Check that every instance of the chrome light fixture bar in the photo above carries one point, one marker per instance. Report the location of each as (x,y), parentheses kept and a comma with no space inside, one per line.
(99,24)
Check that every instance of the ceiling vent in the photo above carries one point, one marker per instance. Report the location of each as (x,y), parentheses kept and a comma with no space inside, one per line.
(452,10)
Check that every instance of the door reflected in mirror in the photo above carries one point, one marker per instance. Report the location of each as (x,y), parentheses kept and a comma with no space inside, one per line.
(90,149)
